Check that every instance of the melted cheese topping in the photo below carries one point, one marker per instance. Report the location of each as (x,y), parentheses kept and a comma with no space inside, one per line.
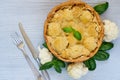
(80,19)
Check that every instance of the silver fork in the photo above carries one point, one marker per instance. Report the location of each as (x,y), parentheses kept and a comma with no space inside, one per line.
(19,43)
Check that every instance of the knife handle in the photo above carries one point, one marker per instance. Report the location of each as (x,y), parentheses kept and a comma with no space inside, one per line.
(44,73)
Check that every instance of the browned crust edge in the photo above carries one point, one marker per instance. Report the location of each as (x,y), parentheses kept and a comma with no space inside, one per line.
(50,15)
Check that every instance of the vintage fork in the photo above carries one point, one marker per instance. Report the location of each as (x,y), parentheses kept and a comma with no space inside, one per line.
(19,43)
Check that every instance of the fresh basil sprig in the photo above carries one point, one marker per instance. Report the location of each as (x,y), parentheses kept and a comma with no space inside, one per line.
(56,66)
(46,66)
(101,8)
(45,45)
(68,29)
(76,34)
(101,56)
(91,64)
(56,63)
(106,46)
(61,63)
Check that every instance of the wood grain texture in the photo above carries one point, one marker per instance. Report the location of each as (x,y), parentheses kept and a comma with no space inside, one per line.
(32,14)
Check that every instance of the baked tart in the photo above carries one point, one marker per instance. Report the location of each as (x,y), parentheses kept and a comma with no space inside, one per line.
(80,17)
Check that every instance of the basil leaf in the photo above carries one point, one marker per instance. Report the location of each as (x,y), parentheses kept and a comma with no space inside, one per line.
(77,35)
(67,29)
(61,63)
(45,45)
(91,64)
(101,8)
(57,67)
(87,64)
(106,46)
(101,56)
(46,66)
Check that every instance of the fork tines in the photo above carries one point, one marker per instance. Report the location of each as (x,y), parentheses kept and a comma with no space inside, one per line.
(16,38)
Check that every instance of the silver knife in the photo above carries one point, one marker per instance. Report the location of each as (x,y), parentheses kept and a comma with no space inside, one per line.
(33,51)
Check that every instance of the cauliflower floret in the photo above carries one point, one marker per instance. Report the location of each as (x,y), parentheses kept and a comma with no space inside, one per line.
(60,43)
(76,11)
(65,53)
(111,30)
(58,17)
(75,51)
(44,55)
(54,29)
(77,70)
(92,29)
(90,43)
(86,16)
(68,14)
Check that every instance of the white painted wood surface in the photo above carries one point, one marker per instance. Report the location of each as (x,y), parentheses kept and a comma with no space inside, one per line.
(32,14)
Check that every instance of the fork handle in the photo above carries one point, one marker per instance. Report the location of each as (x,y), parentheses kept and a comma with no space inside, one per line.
(33,68)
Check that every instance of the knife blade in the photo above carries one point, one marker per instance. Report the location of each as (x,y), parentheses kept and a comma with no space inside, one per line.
(33,51)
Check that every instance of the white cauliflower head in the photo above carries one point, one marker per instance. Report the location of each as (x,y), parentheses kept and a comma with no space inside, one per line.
(44,55)
(77,70)
(111,30)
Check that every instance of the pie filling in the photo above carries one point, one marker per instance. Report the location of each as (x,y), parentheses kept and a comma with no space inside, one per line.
(80,19)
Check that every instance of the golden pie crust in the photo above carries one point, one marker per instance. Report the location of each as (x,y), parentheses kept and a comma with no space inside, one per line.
(81,17)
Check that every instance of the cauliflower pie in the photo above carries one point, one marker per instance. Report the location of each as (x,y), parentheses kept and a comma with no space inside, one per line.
(63,21)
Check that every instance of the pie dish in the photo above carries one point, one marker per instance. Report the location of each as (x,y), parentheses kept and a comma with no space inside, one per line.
(82,18)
